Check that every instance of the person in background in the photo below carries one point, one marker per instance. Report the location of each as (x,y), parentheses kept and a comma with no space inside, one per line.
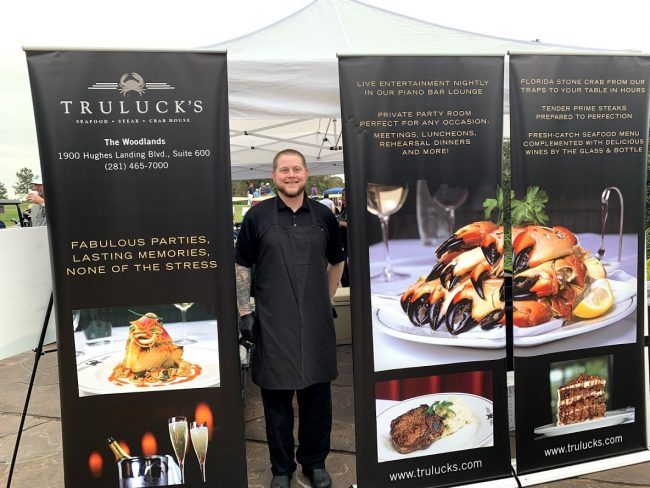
(269,190)
(294,245)
(328,203)
(251,192)
(36,196)
(314,190)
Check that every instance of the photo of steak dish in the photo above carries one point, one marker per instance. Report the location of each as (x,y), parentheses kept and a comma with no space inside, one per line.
(416,429)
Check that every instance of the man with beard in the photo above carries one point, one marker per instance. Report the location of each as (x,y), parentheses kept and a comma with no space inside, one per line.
(292,246)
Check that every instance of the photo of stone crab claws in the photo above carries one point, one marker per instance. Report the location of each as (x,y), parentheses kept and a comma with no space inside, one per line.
(464,289)
(550,272)
(468,309)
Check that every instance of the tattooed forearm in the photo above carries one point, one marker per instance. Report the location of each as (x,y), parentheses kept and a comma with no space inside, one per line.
(243,284)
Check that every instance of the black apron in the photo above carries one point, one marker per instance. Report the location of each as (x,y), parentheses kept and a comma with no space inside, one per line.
(297,343)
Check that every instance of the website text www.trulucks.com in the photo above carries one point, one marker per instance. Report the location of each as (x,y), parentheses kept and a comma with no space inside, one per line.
(435,470)
(573,447)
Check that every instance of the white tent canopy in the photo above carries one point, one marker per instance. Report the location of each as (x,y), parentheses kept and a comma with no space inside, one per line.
(283,79)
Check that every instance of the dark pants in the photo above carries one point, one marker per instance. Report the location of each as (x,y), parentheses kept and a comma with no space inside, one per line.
(314,427)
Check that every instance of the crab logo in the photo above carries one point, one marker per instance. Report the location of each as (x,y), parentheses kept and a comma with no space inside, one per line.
(132,82)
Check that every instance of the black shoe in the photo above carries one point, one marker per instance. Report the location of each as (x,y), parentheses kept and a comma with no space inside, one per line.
(280,481)
(318,477)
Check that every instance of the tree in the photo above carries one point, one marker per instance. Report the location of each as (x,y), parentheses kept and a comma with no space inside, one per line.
(3,191)
(24,176)
(324,182)
(239,188)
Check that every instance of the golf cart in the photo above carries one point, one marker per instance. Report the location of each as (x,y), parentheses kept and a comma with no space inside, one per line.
(23,217)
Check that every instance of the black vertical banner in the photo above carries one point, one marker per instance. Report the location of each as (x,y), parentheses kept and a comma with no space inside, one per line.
(422,146)
(135,161)
(579,128)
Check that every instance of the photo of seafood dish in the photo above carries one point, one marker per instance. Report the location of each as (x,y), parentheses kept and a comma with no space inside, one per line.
(551,272)
(144,353)
(559,290)
(151,357)
(465,288)
(432,424)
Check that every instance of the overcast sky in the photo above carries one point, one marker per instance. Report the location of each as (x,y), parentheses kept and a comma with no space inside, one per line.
(620,24)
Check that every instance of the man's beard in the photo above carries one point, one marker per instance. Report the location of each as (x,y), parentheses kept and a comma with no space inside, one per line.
(292,194)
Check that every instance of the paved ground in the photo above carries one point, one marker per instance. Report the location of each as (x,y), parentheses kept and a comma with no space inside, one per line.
(40,462)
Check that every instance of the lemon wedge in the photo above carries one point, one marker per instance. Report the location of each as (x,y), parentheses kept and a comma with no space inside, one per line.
(598,299)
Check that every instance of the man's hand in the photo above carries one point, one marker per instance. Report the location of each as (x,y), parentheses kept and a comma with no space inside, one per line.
(35,198)
(248,329)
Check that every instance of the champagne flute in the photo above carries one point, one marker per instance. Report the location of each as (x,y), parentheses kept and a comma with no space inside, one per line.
(178,436)
(199,434)
(184,307)
(383,201)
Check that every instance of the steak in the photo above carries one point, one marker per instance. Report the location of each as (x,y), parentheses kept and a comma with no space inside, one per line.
(415,430)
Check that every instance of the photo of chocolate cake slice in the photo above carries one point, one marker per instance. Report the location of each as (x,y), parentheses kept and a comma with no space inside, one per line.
(580,399)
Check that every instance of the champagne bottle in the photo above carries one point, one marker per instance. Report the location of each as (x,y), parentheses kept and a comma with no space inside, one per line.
(117,450)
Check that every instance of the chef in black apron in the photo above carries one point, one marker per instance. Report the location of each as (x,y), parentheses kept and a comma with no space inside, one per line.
(292,246)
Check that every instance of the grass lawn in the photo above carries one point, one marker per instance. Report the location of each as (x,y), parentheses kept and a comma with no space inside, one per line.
(238,208)
(10,212)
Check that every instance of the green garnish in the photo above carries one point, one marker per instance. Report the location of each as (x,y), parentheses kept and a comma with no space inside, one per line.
(492,204)
(530,210)
(441,409)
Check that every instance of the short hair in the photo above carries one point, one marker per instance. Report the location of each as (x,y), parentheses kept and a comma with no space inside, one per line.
(289,152)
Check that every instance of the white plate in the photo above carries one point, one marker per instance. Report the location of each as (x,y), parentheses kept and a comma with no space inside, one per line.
(613,417)
(93,373)
(393,321)
(559,329)
(477,434)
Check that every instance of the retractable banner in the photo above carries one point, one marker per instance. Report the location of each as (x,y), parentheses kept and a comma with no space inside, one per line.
(423,160)
(135,161)
(579,126)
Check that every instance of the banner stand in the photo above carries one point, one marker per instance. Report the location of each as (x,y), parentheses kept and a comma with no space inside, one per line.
(605,464)
(38,351)
(500,483)
(562,473)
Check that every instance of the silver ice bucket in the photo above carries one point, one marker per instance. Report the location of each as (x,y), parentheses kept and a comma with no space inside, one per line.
(142,472)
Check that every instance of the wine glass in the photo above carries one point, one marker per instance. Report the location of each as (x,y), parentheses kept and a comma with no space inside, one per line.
(199,434)
(178,436)
(184,307)
(450,199)
(383,201)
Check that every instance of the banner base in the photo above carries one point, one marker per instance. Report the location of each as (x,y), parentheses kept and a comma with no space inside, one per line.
(498,483)
(583,468)
(562,473)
